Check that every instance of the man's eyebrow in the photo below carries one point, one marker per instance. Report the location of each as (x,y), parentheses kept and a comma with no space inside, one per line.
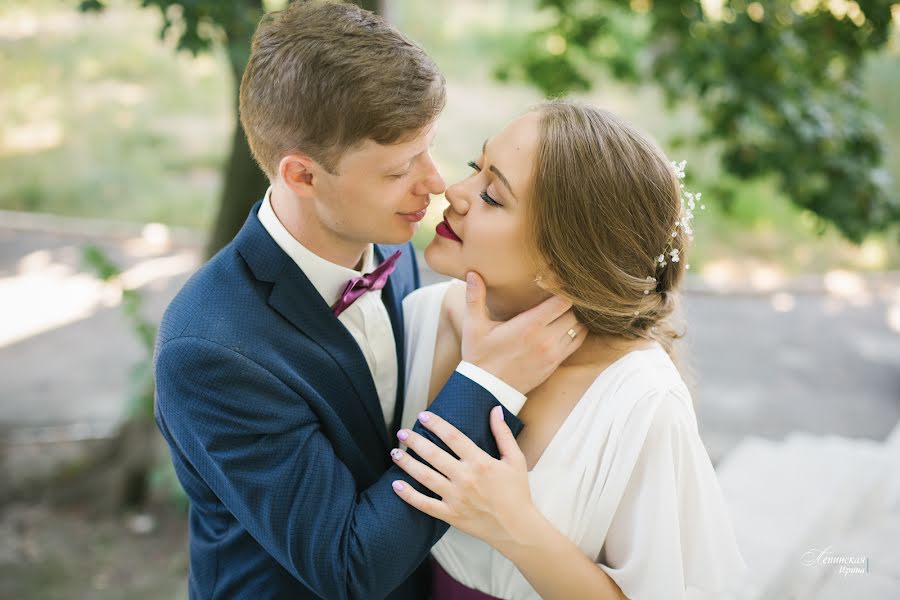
(405,163)
(497,172)
(409,160)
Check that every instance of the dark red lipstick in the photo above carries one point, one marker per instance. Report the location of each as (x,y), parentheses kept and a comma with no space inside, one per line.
(443,229)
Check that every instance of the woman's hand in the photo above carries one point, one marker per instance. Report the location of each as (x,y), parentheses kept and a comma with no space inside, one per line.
(491,500)
(486,498)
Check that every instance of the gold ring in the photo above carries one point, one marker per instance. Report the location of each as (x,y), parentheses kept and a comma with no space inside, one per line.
(572,333)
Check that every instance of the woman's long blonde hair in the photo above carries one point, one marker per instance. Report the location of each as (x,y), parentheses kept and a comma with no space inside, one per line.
(606,203)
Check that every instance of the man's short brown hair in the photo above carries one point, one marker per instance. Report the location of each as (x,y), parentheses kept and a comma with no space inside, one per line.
(324,76)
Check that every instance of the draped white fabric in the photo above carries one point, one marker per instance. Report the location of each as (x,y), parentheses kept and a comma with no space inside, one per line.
(626,478)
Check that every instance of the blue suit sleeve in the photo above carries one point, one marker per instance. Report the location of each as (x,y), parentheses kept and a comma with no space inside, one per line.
(259,447)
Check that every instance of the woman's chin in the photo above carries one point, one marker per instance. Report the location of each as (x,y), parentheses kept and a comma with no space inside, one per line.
(439,260)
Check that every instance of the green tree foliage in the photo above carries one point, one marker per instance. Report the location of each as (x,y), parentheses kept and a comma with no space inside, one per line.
(197,25)
(777,84)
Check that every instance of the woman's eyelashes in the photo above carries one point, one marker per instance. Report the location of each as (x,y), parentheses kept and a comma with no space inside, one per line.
(484,195)
(487,198)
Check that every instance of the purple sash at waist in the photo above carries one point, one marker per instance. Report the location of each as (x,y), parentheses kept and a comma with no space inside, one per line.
(444,587)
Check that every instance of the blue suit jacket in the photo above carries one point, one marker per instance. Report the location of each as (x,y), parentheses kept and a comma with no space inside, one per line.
(277,435)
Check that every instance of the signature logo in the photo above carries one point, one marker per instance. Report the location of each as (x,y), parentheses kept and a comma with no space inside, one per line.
(844,564)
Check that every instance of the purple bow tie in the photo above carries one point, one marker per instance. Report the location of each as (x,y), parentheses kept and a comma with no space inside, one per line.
(358,286)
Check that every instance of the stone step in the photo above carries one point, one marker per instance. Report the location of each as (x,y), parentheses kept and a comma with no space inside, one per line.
(857,471)
(869,586)
(785,497)
(892,485)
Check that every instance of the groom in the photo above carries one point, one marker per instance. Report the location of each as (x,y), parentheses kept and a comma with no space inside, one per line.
(280,364)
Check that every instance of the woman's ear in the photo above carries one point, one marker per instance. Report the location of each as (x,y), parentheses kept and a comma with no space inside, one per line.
(545,278)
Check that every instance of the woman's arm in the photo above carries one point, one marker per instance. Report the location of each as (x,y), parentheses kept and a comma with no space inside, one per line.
(553,565)
(491,500)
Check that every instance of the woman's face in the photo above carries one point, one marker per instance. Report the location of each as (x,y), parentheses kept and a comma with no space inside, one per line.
(484,228)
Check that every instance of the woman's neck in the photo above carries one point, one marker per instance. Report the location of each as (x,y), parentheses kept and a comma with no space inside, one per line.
(504,303)
(602,350)
(598,349)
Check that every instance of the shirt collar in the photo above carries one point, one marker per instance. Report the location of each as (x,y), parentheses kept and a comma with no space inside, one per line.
(328,278)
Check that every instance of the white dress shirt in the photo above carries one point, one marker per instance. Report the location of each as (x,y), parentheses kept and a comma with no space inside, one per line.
(367,319)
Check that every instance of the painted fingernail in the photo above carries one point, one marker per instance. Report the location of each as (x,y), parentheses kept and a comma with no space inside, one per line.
(399,486)
(498,413)
(396,453)
(423,417)
(402,435)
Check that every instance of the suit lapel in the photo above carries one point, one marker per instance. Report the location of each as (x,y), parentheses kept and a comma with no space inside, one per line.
(390,296)
(298,301)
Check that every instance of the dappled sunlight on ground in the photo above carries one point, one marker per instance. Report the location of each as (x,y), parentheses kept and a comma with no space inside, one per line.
(840,289)
(847,286)
(783,302)
(43,295)
(51,288)
(893,312)
(724,275)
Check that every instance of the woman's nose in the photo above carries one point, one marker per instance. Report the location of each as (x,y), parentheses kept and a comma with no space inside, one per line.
(456,198)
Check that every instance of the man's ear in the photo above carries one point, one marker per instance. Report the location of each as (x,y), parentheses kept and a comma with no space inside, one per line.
(298,172)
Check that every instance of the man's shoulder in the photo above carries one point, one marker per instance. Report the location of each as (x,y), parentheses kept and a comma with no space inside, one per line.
(407,260)
(406,271)
(218,292)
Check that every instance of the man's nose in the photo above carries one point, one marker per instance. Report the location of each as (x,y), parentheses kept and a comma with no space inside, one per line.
(433,182)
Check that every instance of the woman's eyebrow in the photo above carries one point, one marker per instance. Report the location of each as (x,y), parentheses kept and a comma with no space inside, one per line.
(497,172)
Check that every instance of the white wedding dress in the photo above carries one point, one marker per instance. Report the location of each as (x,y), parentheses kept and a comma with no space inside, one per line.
(626,478)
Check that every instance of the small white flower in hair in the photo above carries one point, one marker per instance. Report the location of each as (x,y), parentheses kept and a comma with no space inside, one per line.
(689,201)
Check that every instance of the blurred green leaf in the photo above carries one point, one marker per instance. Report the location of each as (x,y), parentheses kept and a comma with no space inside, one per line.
(100,263)
(140,398)
(778,87)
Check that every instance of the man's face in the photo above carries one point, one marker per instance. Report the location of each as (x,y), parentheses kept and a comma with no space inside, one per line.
(380,193)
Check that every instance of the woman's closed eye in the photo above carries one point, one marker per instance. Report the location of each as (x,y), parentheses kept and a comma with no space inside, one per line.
(484,194)
(488,200)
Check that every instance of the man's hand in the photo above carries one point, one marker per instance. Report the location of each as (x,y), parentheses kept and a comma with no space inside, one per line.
(525,350)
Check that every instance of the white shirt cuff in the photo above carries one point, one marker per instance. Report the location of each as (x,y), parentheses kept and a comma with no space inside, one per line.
(511,398)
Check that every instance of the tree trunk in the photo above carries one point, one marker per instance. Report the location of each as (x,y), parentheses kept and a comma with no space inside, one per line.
(245,183)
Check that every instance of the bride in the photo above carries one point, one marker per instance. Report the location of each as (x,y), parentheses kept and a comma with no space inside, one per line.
(608,491)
